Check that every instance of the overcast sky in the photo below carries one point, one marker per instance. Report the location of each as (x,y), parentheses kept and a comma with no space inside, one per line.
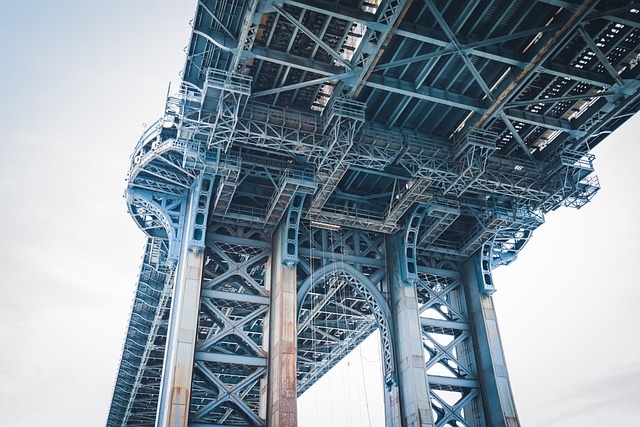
(79,79)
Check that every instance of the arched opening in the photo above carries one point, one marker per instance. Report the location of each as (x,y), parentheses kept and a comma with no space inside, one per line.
(342,333)
(351,394)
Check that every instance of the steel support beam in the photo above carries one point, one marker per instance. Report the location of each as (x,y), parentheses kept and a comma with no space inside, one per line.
(407,404)
(499,406)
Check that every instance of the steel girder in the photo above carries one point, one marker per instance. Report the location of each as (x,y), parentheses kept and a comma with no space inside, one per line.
(420,157)
(452,371)
(467,46)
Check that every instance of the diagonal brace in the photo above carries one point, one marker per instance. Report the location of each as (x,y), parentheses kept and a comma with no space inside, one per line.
(312,36)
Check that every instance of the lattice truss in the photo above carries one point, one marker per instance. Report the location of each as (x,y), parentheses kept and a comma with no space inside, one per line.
(478,160)
(448,348)
(135,397)
(230,359)
(341,302)
(525,73)
(469,122)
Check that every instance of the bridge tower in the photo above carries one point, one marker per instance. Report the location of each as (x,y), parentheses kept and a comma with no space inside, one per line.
(329,169)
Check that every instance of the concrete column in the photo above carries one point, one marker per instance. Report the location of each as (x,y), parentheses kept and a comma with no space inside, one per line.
(173,409)
(499,406)
(409,404)
(282,401)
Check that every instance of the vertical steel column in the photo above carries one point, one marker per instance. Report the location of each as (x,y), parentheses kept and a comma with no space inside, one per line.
(499,406)
(282,409)
(177,373)
(407,405)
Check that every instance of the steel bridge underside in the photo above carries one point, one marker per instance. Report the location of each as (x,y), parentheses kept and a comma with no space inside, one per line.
(453,126)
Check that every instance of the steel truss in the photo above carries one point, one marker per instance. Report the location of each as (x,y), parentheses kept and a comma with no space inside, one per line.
(451,341)
(135,398)
(327,169)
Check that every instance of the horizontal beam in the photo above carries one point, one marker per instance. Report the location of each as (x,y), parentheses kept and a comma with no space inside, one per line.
(422,155)
(316,253)
(491,52)
(294,86)
(439,382)
(431,94)
(230,358)
(212,238)
(235,296)
(576,74)
(211,425)
(542,121)
(289,60)
(223,42)
(444,324)
(585,96)
(335,10)
(439,272)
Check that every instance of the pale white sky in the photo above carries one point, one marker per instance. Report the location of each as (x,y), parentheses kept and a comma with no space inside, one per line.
(79,78)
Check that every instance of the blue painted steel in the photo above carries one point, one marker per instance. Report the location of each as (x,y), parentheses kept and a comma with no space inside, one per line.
(498,406)
(457,127)
(485,281)
(409,259)
(199,211)
(289,248)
